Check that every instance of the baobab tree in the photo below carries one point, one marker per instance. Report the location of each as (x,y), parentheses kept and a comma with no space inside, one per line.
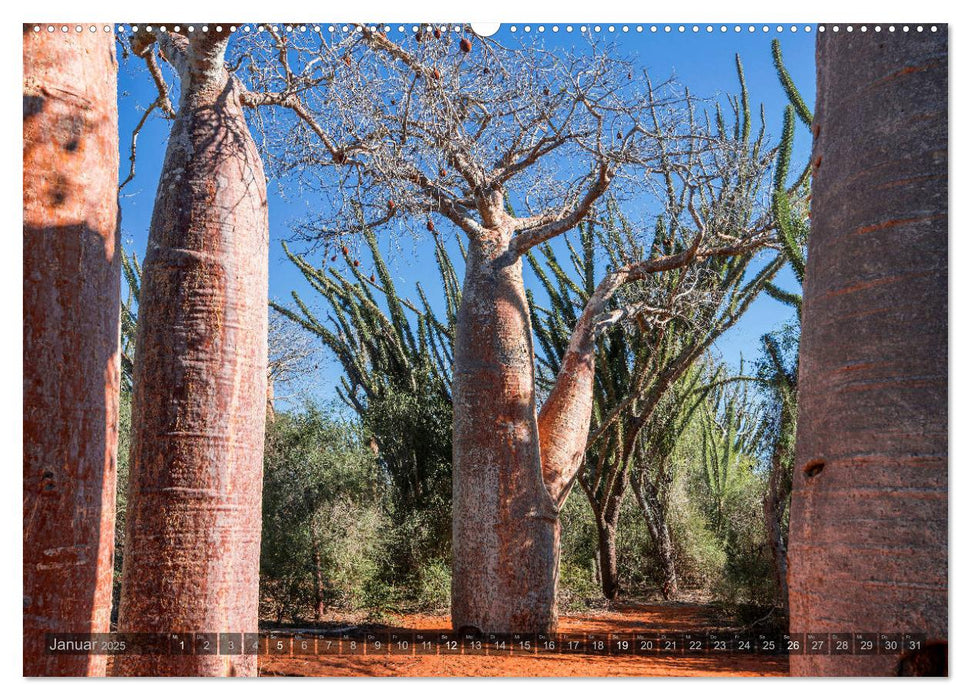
(868,526)
(192,541)
(71,356)
(455,129)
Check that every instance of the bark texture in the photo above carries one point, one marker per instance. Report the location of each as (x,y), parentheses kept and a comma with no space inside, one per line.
(505,529)
(513,469)
(71,354)
(192,543)
(868,536)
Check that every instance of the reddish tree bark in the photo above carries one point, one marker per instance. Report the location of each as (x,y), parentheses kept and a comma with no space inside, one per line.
(513,469)
(505,527)
(192,543)
(868,534)
(71,354)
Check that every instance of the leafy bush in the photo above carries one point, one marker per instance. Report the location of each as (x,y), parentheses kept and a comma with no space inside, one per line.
(121,496)
(322,505)
(578,586)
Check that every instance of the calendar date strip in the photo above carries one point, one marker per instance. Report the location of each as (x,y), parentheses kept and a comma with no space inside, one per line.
(418,643)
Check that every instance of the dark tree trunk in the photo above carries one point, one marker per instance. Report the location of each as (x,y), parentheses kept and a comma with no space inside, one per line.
(193,527)
(868,537)
(655,514)
(772,511)
(607,522)
(607,552)
(71,345)
(318,584)
(774,506)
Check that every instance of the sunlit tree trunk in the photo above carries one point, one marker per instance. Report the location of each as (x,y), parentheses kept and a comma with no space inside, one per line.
(193,527)
(505,528)
(513,469)
(71,355)
(868,537)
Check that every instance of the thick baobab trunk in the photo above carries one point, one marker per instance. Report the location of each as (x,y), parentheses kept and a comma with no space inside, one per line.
(193,526)
(868,534)
(505,528)
(71,367)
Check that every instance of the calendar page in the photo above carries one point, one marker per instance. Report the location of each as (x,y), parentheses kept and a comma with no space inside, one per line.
(458,349)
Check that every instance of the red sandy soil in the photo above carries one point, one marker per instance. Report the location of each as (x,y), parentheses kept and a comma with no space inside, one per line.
(655,618)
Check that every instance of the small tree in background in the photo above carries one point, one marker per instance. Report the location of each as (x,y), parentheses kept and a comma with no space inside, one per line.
(652,471)
(322,498)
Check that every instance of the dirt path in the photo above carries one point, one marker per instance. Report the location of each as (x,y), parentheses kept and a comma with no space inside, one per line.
(655,619)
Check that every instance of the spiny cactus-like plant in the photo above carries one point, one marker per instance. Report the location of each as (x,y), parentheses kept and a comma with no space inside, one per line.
(779,373)
(396,357)
(132,271)
(672,319)
(732,434)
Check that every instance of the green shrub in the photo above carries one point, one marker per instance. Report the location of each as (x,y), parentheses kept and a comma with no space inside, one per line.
(322,505)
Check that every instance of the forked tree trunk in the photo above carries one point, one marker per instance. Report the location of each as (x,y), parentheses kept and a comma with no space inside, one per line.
(656,517)
(505,528)
(71,368)
(513,469)
(868,535)
(192,542)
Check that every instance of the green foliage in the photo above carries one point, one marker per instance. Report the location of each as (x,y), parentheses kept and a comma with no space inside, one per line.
(322,498)
(790,202)
(396,358)
(132,272)
(121,494)
(578,587)
(732,433)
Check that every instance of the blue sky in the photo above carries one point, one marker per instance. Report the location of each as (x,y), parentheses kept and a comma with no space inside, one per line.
(704,62)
